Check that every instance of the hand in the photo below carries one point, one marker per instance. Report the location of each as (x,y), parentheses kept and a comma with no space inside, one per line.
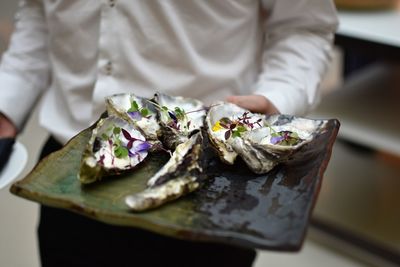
(254,103)
(7,128)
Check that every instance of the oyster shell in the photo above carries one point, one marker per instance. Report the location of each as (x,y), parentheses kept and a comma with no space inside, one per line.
(183,159)
(221,118)
(179,176)
(265,147)
(154,197)
(115,146)
(262,142)
(136,110)
(178,118)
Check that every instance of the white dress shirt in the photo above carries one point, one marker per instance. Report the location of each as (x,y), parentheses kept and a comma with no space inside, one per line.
(79,52)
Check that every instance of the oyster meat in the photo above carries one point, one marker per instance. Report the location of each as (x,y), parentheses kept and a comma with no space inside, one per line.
(178,118)
(115,146)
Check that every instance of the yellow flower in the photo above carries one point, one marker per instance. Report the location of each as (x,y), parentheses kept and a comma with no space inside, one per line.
(217,126)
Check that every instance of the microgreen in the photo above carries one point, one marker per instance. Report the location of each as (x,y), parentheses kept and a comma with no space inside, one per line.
(121,152)
(121,149)
(175,116)
(235,128)
(134,106)
(136,112)
(285,138)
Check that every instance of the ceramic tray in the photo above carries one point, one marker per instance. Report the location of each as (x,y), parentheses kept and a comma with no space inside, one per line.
(269,211)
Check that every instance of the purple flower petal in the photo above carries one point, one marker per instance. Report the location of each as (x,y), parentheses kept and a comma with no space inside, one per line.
(277,139)
(144,146)
(135,115)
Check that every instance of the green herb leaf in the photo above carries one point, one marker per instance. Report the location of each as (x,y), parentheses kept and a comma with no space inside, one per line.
(134,106)
(180,113)
(241,129)
(104,137)
(144,112)
(121,152)
(236,133)
(116,130)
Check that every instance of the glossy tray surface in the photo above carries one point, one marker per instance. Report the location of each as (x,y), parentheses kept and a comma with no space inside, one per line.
(236,206)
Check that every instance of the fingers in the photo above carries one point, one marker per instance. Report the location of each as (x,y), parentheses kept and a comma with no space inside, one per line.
(254,103)
(7,128)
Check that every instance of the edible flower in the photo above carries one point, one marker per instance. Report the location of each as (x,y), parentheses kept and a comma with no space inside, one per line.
(137,113)
(217,126)
(285,138)
(235,128)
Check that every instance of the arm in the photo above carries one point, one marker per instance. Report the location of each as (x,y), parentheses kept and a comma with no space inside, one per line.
(24,69)
(297,50)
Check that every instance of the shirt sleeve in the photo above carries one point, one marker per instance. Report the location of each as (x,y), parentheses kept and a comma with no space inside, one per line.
(297,50)
(24,68)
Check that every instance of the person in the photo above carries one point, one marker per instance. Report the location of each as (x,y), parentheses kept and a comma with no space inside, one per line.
(267,56)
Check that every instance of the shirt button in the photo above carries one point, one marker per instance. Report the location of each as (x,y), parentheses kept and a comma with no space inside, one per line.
(111,3)
(108,68)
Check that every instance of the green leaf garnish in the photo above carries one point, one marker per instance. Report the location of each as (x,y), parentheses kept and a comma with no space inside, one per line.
(144,112)
(116,130)
(180,113)
(236,133)
(134,107)
(104,137)
(241,129)
(121,152)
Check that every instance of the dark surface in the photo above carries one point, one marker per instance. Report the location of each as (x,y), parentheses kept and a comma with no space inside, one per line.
(6,146)
(69,239)
(235,206)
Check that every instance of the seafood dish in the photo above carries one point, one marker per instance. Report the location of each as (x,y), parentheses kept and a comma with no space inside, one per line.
(192,135)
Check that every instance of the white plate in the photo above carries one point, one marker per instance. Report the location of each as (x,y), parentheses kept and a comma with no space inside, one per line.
(15,165)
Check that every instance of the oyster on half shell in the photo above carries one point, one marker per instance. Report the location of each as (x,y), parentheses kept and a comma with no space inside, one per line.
(224,122)
(115,146)
(178,118)
(262,142)
(265,147)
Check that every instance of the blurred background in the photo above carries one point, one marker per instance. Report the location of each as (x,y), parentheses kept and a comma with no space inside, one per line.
(356,221)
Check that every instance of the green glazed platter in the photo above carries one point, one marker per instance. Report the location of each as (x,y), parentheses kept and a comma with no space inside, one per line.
(235,206)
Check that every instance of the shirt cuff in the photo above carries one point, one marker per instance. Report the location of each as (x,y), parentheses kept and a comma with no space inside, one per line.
(17,98)
(287,100)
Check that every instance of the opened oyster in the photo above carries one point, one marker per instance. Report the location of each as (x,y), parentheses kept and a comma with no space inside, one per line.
(178,118)
(261,142)
(115,146)
(264,148)
(136,110)
(179,176)
(225,122)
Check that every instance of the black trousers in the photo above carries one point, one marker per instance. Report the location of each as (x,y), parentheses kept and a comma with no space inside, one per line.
(69,239)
